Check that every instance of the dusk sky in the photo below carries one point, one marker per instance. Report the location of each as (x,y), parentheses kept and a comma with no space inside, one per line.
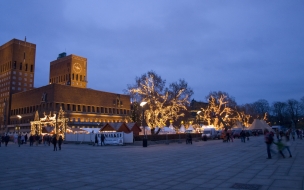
(250,49)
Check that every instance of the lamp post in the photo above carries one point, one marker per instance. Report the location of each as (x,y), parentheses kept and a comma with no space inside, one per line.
(18,126)
(145,141)
(179,140)
(199,118)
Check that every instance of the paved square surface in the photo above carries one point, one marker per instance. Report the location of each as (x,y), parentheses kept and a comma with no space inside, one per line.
(202,165)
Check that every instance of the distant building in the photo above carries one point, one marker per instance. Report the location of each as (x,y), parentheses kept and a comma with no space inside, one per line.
(67,89)
(17,67)
(83,107)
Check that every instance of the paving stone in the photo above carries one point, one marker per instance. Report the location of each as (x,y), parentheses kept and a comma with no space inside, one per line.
(204,165)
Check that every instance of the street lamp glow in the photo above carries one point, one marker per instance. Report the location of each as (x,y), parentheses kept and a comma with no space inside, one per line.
(145,141)
(143,103)
(19,116)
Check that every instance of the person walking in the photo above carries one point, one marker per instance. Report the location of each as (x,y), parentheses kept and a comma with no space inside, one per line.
(243,136)
(7,138)
(96,140)
(293,133)
(31,140)
(286,142)
(44,139)
(280,147)
(50,139)
(37,140)
(228,136)
(102,138)
(25,138)
(22,139)
(268,140)
(60,142)
(19,140)
(247,135)
(54,141)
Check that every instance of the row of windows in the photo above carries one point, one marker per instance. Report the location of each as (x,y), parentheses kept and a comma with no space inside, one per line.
(94,120)
(67,77)
(20,66)
(70,107)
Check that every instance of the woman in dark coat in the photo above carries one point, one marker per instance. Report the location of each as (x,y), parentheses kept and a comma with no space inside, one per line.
(54,141)
(60,142)
(7,138)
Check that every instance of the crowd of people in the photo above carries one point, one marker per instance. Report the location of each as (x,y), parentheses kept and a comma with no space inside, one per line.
(21,139)
(281,140)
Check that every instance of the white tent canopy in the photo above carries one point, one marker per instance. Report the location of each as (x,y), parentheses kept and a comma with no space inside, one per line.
(182,129)
(147,130)
(190,128)
(167,130)
(260,124)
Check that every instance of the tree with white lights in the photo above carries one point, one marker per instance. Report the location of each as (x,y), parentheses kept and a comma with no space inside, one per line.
(163,104)
(222,111)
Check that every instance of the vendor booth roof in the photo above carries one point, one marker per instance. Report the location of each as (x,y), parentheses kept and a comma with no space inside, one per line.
(118,127)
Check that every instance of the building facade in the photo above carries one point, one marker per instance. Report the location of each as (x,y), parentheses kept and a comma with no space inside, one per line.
(69,70)
(17,67)
(83,107)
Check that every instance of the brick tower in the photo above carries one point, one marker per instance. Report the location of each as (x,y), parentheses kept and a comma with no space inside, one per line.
(17,67)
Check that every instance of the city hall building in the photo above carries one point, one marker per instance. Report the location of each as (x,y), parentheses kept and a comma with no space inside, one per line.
(67,89)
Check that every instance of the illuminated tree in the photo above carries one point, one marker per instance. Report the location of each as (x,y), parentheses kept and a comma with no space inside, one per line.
(222,111)
(217,113)
(163,104)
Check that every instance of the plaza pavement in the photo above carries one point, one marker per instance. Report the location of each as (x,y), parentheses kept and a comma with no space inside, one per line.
(202,165)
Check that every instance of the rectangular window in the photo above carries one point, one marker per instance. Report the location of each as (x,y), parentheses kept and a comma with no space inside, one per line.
(31,68)
(89,108)
(68,107)
(79,108)
(93,109)
(97,110)
(74,107)
(84,109)
(106,110)
(20,66)
(25,67)
(14,65)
